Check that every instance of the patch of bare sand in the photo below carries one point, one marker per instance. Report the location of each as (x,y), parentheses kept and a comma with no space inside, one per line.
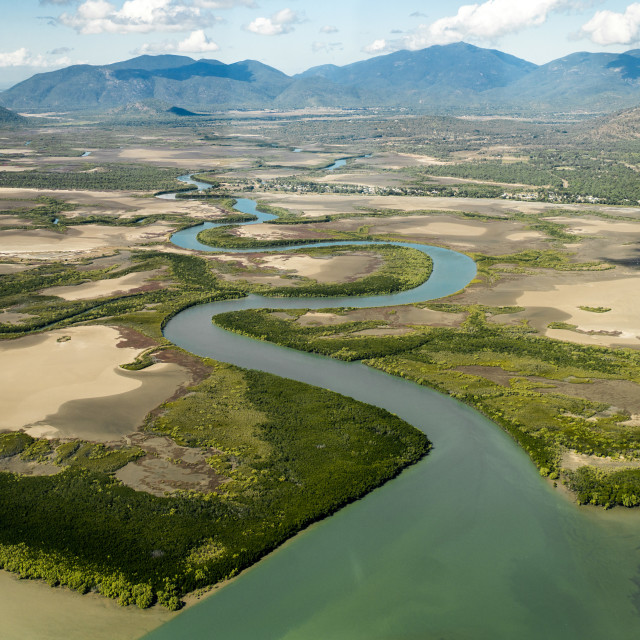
(12,317)
(12,205)
(414,227)
(619,294)
(525,235)
(14,221)
(383,331)
(42,243)
(205,157)
(266,232)
(32,610)
(169,467)
(338,268)
(240,260)
(15,465)
(587,226)
(365,179)
(7,268)
(76,389)
(573,460)
(424,159)
(100,288)
(18,151)
(395,316)
(317,318)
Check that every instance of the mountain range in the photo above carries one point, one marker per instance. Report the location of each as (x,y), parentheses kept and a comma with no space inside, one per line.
(450,77)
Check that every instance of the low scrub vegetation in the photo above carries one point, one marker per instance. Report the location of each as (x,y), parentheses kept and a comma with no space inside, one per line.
(506,372)
(283,470)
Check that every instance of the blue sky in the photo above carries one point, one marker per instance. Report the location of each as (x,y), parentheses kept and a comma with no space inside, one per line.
(293,35)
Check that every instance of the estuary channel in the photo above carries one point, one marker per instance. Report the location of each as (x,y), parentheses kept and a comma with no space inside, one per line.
(469,544)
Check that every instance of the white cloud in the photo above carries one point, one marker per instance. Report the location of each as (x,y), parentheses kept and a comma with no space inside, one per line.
(380,46)
(609,27)
(486,21)
(329,28)
(195,42)
(24,58)
(136,16)
(279,23)
(327,47)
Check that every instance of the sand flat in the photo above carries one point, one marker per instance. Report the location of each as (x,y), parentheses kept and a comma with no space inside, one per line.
(32,610)
(594,226)
(41,243)
(617,294)
(262,231)
(40,376)
(327,268)
(100,288)
(525,235)
(13,317)
(414,227)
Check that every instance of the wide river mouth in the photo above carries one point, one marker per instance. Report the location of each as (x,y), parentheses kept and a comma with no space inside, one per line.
(468,544)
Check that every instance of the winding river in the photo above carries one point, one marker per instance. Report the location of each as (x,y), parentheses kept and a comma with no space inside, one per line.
(469,544)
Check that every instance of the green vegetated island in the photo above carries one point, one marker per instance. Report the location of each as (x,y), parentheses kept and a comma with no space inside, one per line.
(272,473)
(276,471)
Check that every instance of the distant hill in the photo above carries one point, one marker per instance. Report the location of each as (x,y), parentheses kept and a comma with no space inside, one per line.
(170,79)
(8,117)
(437,74)
(624,125)
(457,76)
(597,81)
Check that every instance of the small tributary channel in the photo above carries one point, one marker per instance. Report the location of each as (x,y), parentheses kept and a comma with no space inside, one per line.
(469,544)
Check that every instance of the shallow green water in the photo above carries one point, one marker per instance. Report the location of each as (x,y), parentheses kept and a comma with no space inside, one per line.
(468,544)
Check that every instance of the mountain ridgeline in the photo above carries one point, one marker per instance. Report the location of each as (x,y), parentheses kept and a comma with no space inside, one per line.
(455,76)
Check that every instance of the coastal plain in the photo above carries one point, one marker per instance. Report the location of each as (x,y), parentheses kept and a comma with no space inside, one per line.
(557,270)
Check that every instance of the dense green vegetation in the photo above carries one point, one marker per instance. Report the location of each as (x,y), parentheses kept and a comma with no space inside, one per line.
(341,341)
(595,309)
(120,177)
(564,175)
(606,488)
(506,372)
(284,470)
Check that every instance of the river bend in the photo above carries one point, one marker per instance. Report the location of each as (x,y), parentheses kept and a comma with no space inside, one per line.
(468,544)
